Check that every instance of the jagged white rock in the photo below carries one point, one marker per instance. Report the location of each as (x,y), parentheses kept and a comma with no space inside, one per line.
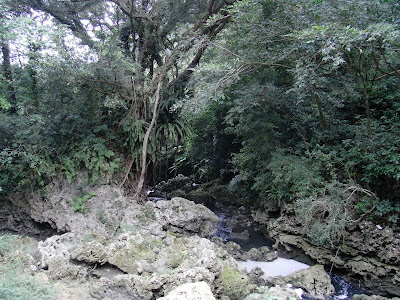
(190,291)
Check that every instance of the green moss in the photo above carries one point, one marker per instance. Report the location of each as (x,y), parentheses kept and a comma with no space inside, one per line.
(146,216)
(175,255)
(126,258)
(234,284)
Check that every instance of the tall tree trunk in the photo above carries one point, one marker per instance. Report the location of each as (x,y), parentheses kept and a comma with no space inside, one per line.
(140,184)
(5,49)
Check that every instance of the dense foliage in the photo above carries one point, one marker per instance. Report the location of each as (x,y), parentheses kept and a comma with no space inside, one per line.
(89,86)
(294,101)
(309,89)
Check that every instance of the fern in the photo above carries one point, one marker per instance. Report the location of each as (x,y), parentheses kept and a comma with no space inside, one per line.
(92,156)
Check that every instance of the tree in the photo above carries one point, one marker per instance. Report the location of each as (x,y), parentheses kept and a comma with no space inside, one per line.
(148,50)
(312,83)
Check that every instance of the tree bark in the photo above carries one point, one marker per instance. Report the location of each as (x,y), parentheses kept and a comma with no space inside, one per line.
(140,184)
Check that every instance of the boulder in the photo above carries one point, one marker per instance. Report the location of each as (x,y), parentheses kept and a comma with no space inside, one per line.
(261,254)
(121,287)
(69,208)
(190,291)
(233,283)
(276,293)
(202,197)
(255,276)
(234,249)
(184,216)
(54,255)
(139,266)
(314,280)
(179,182)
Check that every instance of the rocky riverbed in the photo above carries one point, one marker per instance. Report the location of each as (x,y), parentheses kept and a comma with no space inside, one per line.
(109,246)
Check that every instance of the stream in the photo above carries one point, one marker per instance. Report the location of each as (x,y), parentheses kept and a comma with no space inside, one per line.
(227,228)
(245,233)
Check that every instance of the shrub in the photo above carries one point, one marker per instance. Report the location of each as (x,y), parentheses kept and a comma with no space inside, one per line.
(92,155)
(325,214)
(79,203)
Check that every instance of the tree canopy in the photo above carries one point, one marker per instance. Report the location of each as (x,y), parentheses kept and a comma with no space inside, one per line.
(287,101)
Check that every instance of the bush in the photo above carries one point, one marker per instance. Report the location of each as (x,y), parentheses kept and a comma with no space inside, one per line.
(326,214)
(91,155)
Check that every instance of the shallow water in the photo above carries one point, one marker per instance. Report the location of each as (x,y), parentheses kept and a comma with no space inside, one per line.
(344,289)
(256,238)
(278,267)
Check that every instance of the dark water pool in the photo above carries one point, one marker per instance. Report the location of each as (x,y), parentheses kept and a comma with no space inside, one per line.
(344,288)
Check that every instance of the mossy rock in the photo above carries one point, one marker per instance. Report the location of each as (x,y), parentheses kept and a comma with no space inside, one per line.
(233,283)
(127,258)
(174,258)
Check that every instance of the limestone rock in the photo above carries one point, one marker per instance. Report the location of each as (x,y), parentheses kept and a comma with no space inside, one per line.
(255,276)
(152,264)
(373,297)
(275,293)
(178,182)
(261,254)
(102,212)
(91,252)
(181,215)
(369,251)
(108,211)
(190,291)
(314,280)
(233,283)
(57,247)
(122,287)
(201,196)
